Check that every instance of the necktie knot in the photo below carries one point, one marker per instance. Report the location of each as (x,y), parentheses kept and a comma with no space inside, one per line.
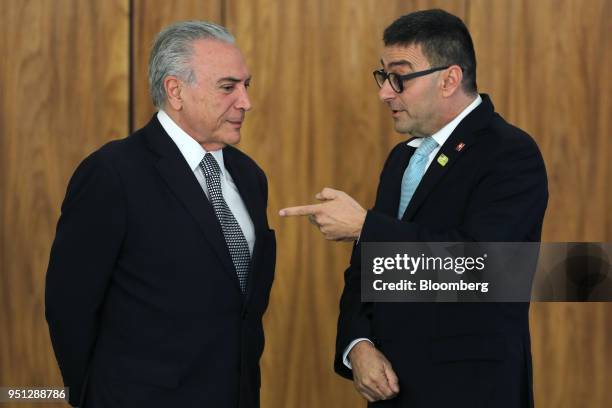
(427,146)
(210,166)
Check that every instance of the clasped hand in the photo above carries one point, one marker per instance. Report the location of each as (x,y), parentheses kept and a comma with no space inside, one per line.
(373,376)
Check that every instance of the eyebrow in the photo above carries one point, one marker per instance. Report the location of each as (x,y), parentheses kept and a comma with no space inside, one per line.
(402,62)
(233,79)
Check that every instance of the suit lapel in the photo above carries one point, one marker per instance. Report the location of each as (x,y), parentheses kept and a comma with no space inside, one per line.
(462,138)
(173,168)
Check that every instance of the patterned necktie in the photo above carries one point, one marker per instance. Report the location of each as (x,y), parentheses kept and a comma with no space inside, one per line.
(234,238)
(414,172)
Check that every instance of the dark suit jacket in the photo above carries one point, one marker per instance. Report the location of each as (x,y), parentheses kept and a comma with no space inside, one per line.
(142,299)
(454,354)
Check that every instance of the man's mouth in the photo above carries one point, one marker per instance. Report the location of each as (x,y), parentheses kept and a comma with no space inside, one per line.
(235,122)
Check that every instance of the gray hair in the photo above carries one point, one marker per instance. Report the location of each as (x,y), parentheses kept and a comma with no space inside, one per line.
(172,51)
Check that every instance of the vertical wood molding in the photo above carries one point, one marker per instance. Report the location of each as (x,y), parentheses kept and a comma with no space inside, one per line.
(64,76)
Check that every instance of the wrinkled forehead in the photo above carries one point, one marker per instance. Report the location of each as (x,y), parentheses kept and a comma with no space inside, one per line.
(214,59)
(403,57)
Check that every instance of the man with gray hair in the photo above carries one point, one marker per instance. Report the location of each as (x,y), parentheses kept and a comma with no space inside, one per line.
(163,260)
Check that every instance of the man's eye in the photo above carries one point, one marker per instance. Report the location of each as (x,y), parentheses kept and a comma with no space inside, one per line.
(227,88)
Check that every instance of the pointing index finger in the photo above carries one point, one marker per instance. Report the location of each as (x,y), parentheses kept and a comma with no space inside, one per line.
(299,210)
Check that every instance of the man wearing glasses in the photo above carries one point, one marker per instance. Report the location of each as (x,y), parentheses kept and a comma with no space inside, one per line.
(464,175)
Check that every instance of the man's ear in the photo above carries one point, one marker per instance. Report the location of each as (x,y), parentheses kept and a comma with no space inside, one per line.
(451,80)
(173,87)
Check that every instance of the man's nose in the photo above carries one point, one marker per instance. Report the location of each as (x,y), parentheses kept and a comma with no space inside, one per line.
(386,93)
(243,101)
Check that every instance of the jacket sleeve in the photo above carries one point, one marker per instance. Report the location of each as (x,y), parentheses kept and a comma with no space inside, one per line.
(354,318)
(83,255)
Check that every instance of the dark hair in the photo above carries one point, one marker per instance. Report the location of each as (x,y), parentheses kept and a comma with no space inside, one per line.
(443,37)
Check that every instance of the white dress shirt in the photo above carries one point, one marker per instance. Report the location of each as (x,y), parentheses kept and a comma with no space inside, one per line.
(193,153)
(440,136)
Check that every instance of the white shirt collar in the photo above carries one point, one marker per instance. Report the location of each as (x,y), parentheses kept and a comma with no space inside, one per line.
(191,150)
(443,134)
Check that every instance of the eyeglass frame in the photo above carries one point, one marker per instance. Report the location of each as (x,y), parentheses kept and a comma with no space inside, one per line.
(406,77)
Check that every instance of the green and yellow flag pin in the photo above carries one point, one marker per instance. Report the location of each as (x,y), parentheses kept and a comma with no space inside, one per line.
(442,159)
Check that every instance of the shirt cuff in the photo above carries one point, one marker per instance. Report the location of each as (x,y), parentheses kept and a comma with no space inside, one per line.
(345,359)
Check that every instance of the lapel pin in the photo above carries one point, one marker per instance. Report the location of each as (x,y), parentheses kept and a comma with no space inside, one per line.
(442,160)
(460,146)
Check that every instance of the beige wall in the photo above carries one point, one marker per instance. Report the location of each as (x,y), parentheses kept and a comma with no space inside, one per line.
(73,76)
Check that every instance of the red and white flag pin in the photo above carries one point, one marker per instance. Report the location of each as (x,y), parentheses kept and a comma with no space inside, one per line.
(460,146)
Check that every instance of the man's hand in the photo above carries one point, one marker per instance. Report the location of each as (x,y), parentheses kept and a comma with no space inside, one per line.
(373,376)
(339,217)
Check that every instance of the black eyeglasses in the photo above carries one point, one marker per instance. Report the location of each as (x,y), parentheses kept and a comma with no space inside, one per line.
(397,81)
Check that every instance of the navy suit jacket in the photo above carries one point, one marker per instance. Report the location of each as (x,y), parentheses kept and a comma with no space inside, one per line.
(494,189)
(142,299)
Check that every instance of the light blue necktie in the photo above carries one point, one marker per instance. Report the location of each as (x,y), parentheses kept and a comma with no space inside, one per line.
(414,172)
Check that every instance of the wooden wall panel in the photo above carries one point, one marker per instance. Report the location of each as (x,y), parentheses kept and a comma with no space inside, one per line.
(316,122)
(64,76)
(148,18)
(545,64)
(572,354)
